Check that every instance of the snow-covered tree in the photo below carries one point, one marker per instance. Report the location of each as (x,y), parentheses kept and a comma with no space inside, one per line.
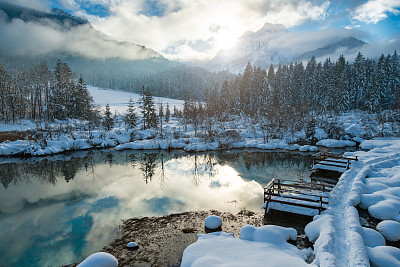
(108,121)
(130,117)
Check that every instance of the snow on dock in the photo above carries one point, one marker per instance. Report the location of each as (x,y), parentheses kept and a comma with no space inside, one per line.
(296,197)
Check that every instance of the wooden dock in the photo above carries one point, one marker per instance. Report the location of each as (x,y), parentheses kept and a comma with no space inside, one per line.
(296,197)
(332,162)
(307,198)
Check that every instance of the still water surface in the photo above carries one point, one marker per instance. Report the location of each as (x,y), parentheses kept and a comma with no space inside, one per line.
(57,210)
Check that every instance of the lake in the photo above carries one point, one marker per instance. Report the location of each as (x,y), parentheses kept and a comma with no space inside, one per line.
(59,209)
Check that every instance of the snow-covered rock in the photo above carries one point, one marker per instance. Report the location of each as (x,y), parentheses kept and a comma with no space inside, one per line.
(213,222)
(306,148)
(372,238)
(132,245)
(389,229)
(99,259)
(384,256)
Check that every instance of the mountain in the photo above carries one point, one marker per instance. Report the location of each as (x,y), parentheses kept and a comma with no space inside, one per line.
(31,36)
(274,44)
(348,44)
(254,47)
(33,15)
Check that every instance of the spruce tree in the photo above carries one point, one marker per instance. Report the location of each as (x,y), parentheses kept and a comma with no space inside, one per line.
(108,121)
(130,117)
(146,104)
(167,113)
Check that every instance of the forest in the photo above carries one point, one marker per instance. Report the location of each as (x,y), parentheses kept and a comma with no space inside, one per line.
(281,99)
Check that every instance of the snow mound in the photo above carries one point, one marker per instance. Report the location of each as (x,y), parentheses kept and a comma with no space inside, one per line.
(222,249)
(372,238)
(389,229)
(308,148)
(385,210)
(335,143)
(213,222)
(99,259)
(268,233)
(384,256)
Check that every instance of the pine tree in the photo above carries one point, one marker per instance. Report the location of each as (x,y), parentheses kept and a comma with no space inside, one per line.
(80,101)
(108,121)
(395,85)
(245,88)
(146,104)
(61,91)
(130,117)
(167,113)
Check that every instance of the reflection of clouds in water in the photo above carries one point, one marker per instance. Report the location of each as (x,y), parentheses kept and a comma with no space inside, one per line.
(72,220)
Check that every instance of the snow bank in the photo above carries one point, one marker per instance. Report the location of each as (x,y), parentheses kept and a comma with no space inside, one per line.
(373,183)
(99,259)
(335,143)
(13,148)
(222,249)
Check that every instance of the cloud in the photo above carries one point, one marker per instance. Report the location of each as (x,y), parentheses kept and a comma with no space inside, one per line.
(46,37)
(164,24)
(376,10)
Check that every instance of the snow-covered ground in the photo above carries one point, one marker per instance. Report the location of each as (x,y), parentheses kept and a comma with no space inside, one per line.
(237,132)
(118,100)
(339,238)
(373,183)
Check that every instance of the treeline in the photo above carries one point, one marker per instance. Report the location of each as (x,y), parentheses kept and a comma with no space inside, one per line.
(162,77)
(41,94)
(318,88)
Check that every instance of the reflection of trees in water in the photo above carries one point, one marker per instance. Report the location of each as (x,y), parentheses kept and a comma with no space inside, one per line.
(262,164)
(153,164)
(109,158)
(44,170)
(147,166)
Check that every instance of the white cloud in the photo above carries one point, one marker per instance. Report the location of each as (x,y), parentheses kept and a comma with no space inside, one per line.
(219,23)
(45,37)
(376,10)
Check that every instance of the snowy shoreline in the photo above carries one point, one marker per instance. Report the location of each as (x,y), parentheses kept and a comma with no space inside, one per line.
(27,148)
(174,136)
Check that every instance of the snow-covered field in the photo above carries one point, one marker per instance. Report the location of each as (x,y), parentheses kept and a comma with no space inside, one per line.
(118,100)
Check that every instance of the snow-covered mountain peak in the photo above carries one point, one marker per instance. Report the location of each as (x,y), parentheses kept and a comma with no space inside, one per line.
(274,44)
(269,28)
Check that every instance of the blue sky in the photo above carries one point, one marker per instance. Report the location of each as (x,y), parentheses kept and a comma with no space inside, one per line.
(195,30)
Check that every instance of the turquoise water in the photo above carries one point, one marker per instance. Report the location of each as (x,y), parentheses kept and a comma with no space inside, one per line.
(57,210)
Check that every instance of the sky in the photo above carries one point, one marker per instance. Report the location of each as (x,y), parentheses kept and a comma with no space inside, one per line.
(195,30)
